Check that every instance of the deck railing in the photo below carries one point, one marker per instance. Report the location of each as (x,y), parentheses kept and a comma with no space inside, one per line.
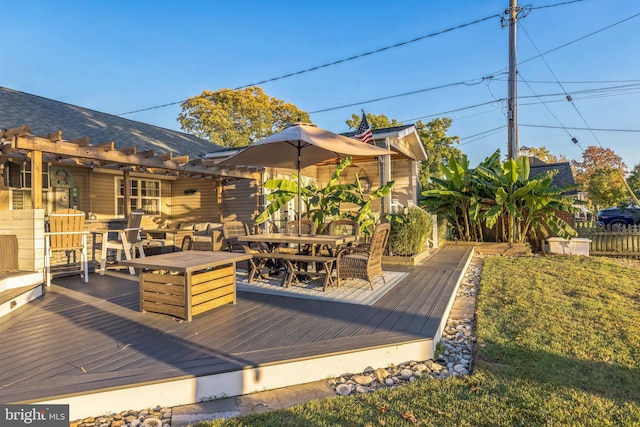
(618,241)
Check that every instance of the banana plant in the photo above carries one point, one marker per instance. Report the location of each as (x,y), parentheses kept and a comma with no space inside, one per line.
(324,204)
(455,199)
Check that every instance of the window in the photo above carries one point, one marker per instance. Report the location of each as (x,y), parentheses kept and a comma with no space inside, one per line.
(18,178)
(145,195)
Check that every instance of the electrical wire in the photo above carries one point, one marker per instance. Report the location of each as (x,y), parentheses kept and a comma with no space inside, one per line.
(554,5)
(545,105)
(329,64)
(578,128)
(465,83)
(569,98)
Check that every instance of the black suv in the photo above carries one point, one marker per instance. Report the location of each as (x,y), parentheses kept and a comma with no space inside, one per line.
(619,216)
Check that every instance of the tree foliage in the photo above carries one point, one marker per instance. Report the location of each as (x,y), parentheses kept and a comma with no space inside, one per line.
(376,121)
(545,155)
(606,188)
(237,118)
(603,162)
(634,180)
(439,148)
(594,158)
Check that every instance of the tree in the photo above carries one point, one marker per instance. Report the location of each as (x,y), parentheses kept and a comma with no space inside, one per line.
(606,188)
(543,153)
(634,180)
(437,144)
(375,121)
(594,159)
(237,118)
(439,147)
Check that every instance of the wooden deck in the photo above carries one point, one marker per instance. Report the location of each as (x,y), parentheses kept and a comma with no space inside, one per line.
(82,339)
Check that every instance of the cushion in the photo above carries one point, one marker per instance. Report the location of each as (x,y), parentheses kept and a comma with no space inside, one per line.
(201,229)
(186,226)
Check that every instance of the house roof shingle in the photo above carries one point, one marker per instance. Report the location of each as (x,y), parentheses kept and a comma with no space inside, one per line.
(562,178)
(45,115)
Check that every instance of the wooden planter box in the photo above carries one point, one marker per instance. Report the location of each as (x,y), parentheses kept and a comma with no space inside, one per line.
(171,294)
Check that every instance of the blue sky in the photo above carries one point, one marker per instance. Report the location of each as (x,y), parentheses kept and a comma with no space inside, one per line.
(117,56)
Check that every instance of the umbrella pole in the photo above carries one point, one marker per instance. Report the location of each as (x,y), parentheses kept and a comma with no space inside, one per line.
(299,193)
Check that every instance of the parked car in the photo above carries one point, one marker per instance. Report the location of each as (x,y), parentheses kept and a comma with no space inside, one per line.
(619,216)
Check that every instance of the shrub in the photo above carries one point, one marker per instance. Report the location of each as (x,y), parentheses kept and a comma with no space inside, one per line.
(410,236)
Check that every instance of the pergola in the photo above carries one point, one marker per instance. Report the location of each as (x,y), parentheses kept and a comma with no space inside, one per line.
(20,144)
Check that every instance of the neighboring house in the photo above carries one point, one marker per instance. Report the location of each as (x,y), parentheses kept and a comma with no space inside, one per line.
(563,177)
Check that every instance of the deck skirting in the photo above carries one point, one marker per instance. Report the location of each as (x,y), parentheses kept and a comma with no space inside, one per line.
(184,391)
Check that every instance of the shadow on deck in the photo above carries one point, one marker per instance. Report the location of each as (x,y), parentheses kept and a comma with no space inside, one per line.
(87,345)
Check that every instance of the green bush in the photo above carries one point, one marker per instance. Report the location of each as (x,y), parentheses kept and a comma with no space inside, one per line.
(409,237)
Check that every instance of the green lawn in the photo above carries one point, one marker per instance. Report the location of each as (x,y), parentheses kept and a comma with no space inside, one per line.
(558,345)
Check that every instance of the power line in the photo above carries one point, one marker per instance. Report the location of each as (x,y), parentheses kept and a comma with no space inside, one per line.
(465,83)
(329,64)
(573,139)
(581,38)
(587,128)
(546,106)
(554,5)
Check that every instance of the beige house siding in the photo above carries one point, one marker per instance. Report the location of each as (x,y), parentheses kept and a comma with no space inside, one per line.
(23,224)
(187,205)
(240,200)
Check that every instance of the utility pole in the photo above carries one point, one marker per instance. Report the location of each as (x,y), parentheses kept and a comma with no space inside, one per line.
(512,97)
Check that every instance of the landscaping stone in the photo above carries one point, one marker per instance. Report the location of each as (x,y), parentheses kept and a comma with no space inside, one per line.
(457,341)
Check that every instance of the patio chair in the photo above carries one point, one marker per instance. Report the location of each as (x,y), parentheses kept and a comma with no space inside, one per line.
(66,233)
(361,263)
(343,227)
(233,230)
(306,227)
(128,241)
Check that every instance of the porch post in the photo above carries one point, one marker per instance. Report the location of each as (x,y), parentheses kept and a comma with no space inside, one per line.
(36,179)
(127,193)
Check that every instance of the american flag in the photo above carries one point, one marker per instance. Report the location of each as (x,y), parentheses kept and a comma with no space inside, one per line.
(364,133)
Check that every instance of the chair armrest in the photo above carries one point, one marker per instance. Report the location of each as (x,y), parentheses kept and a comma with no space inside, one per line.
(59,233)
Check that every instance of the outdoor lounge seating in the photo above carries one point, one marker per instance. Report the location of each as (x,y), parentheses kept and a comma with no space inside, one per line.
(204,236)
(66,233)
(364,262)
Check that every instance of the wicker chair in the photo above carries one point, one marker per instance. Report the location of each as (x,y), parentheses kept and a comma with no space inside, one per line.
(306,227)
(365,264)
(232,230)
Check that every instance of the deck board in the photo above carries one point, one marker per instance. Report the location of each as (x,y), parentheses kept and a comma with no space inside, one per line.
(82,337)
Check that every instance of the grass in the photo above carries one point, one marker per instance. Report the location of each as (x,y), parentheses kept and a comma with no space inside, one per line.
(558,345)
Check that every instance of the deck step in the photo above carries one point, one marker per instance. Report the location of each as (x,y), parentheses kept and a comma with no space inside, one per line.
(14,298)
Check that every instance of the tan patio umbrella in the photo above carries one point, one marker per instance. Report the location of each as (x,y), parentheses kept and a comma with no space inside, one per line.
(301,145)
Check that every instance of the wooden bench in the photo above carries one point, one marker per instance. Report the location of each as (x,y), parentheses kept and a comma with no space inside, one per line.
(291,271)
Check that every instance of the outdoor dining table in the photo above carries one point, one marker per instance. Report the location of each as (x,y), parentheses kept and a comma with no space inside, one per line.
(271,242)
